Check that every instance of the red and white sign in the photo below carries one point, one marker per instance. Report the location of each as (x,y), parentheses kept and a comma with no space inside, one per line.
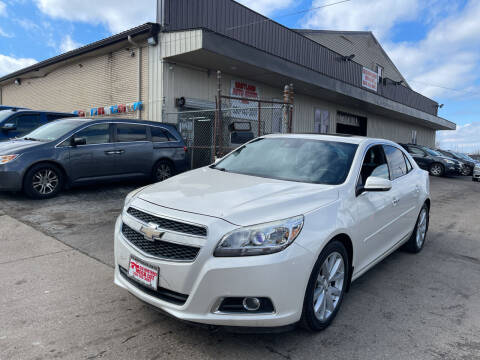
(244,109)
(369,79)
(144,274)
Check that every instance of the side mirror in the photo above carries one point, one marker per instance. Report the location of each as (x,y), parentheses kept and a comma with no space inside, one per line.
(374,183)
(78,141)
(9,127)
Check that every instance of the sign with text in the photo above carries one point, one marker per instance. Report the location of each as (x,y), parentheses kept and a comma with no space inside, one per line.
(369,79)
(244,109)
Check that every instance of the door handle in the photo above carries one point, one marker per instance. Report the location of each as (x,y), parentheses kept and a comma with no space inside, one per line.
(111,152)
(395,201)
(119,152)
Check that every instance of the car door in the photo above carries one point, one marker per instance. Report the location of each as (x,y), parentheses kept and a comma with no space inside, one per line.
(166,146)
(404,193)
(134,150)
(420,157)
(95,159)
(374,211)
(24,123)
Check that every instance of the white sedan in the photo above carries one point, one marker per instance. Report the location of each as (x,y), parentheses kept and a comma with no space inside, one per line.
(273,233)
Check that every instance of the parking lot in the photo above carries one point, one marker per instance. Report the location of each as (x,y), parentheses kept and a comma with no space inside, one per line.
(59,301)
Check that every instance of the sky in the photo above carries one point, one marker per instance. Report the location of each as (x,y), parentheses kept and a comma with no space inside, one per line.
(434,43)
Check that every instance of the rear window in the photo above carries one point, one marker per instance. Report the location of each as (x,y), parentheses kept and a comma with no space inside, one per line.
(131,132)
(161,135)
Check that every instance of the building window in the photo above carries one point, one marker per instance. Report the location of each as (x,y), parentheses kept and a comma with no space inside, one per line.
(321,122)
(414,137)
(379,72)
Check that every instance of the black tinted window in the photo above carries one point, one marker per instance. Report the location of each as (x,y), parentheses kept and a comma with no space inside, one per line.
(95,134)
(396,159)
(28,122)
(52,117)
(131,132)
(160,135)
(415,151)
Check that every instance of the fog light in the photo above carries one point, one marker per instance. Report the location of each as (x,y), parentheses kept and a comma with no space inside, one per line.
(251,304)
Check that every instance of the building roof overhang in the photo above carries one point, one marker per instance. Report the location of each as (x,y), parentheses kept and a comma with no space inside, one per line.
(216,52)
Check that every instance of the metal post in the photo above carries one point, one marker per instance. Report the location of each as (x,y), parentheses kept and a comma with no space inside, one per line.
(219,126)
(259,118)
(290,113)
(285,106)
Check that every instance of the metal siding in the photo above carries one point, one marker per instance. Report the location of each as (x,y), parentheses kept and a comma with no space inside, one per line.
(279,41)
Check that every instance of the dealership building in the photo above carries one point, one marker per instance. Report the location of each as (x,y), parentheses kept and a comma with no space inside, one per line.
(343,82)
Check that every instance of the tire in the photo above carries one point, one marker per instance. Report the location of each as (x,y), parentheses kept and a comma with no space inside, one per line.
(436,169)
(163,170)
(323,317)
(417,239)
(43,181)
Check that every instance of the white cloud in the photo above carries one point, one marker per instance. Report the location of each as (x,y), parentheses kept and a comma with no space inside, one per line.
(448,57)
(117,15)
(378,16)
(10,64)
(3,8)
(69,44)
(267,7)
(5,34)
(465,139)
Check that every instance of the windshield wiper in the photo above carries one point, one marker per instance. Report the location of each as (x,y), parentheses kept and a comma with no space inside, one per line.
(30,138)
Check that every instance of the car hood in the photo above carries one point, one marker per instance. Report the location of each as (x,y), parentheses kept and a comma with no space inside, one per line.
(17,146)
(439,158)
(239,199)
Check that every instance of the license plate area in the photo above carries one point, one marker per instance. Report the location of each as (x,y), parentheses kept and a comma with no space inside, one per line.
(143,273)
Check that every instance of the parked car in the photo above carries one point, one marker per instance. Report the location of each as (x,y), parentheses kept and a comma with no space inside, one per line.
(432,161)
(273,233)
(18,122)
(468,163)
(76,151)
(476,172)
(5,107)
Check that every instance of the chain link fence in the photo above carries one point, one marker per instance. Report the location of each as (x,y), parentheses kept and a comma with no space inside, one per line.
(213,133)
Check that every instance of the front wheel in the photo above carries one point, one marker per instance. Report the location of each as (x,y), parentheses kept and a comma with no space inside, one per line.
(43,181)
(326,287)
(465,171)
(437,169)
(417,239)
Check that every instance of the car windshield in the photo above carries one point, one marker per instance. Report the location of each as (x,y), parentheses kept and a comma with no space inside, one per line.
(292,159)
(433,152)
(53,131)
(464,156)
(4,114)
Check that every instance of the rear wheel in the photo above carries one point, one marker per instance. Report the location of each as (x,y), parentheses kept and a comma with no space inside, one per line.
(43,181)
(163,170)
(326,287)
(417,239)
(437,169)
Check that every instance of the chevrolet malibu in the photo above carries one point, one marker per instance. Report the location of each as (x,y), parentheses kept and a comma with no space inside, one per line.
(273,234)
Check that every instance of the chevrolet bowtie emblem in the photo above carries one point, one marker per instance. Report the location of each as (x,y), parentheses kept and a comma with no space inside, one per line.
(151,232)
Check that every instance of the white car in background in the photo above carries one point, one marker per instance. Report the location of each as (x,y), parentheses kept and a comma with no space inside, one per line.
(274,232)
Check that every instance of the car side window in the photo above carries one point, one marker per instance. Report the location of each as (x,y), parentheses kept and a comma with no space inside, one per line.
(374,164)
(28,122)
(416,151)
(409,164)
(95,134)
(396,160)
(160,135)
(131,132)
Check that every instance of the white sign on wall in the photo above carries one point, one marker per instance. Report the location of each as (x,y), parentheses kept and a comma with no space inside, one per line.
(244,109)
(369,79)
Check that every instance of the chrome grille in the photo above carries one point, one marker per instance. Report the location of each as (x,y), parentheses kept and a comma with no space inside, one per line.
(168,224)
(158,248)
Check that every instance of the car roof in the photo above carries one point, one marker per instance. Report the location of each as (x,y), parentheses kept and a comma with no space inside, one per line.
(345,138)
(19,111)
(111,119)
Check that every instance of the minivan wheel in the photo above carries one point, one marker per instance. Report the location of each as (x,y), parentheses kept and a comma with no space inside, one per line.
(326,287)
(43,181)
(162,170)
(437,169)
(419,234)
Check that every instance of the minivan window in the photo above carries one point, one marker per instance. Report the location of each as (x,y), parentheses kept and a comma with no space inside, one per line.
(160,135)
(396,159)
(131,132)
(292,159)
(95,134)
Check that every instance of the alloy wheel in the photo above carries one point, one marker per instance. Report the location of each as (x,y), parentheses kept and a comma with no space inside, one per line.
(421,228)
(328,287)
(45,181)
(163,172)
(436,170)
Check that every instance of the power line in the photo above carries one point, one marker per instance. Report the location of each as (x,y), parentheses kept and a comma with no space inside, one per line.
(445,88)
(289,14)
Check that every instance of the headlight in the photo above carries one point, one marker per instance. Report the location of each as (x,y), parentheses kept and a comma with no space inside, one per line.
(260,239)
(449,161)
(8,158)
(131,195)
(477,166)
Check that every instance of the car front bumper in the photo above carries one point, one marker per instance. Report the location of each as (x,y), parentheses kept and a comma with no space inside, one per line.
(453,169)
(281,277)
(476,174)
(10,179)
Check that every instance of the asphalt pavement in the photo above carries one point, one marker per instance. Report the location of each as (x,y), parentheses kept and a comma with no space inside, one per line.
(58,300)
